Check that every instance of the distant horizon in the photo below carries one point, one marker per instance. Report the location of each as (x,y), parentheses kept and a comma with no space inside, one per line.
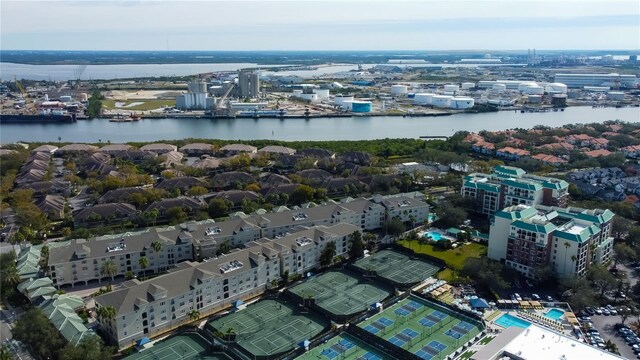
(310,25)
(524,51)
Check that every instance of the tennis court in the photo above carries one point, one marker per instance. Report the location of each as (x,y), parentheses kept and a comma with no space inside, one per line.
(342,347)
(423,328)
(340,293)
(269,327)
(397,267)
(184,347)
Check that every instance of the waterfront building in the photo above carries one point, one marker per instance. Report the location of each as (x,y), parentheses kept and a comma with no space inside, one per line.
(526,238)
(152,307)
(249,84)
(607,80)
(509,185)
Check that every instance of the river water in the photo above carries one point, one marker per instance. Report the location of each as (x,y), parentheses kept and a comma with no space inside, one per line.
(352,128)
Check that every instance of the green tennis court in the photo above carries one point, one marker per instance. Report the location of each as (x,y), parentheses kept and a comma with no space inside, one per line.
(343,347)
(269,327)
(423,328)
(397,267)
(183,347)
(340,293)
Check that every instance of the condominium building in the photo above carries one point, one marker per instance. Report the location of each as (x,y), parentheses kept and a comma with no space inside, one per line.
(508,186)
(569,239)
(152,307)
(80,262)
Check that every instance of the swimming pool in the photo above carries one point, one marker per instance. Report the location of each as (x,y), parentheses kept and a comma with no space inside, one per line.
(436,236)
(508,320)
(554,314)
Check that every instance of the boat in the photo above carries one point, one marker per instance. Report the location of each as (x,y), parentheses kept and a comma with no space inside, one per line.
(42,118)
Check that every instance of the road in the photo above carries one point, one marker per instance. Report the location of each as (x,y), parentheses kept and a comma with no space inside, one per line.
(606,326)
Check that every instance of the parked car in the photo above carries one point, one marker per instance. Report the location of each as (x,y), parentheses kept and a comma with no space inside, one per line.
(606,312)
(549,298)
(598,311)
(590,311)
(535,296)
(518,297)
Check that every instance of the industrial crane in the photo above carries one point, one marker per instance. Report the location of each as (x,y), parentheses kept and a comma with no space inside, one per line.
(20,87)
(220,107)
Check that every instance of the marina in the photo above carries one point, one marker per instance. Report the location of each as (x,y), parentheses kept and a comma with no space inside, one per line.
(331,128)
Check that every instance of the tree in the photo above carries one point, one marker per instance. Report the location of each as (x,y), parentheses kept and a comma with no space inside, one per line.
(144,263)
(624,253)
(109,270)
(369,240)
(620,226)
(197,191)
(566,251)
(327,254)
(302,194)
(156,246)
(485,272)
(395,227)
(194,315)
(106,312)
(450,214)
(423,240)
(89,348)
(357,246)
(5,353)
(176,215)
(219,207)
(34,329)
(225,247)
(94,107)
(601,278)
(9,276)
(611,347)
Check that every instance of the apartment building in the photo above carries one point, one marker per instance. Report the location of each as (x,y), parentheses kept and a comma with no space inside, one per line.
(508,186)
(81,261)
(152,307)
(569,239)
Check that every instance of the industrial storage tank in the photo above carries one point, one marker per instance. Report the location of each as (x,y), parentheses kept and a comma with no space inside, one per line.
(346,105)
(297,93)
(557,88)
(461,103)
(361,106)
(559,100)
(399,89)
(423,99)
(468,85)
(522,87)
(534,90)
(499,87)
(197,87)
(341,99)
(451,87)
(611,95)
(65,98)
(82,96)
(322,93)
(441,100)
(534,99)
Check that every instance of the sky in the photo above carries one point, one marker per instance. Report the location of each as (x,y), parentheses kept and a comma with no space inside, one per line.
(320,25)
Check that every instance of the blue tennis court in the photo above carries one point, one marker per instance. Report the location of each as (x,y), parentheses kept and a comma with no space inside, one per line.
(432,349)
(369,356)
(454,334)
(427,322)
(402,312)
(403,337)
(439,314)
(378,325)
(335,350)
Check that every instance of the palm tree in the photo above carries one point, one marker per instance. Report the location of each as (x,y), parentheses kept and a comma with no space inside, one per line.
(566,250)
(144,263)
(10,276)
(194,314)
(230,333)
(573,262)
(109,269)
(5,353)
(422,240)
(156,246)
(106,312)
(611,346)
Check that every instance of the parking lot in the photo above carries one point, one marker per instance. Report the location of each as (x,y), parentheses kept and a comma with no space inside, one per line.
(607,331)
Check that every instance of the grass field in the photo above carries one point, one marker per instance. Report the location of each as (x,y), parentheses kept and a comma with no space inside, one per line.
(340,293)
(423,328)
(397,267)
(185,346)
(269,327)
(454,258)
(151,104)
(342,347)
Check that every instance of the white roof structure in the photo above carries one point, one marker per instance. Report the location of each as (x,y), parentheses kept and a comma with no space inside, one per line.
(535,343)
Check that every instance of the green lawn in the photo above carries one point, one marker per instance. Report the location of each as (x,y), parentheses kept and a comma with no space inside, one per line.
(467,355)
(486,340)
(147,104)
(454,258)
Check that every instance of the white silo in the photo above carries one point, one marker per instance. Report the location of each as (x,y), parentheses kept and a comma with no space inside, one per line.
(534,99)
(398,89)
(198,87)
(322,93)
(461,103)
(423,99)
(468,85)
(556,88)
(347,105)
(524,85)
(451,88)
(441,100)
(499,87)
(534,90)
